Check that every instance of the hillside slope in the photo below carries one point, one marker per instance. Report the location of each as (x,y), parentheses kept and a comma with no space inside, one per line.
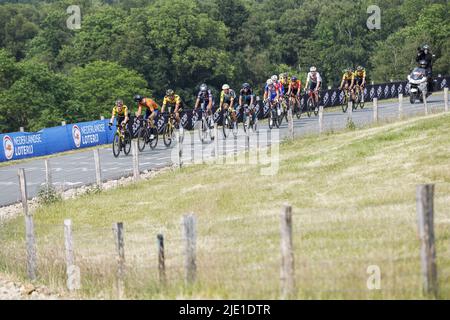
(353,198)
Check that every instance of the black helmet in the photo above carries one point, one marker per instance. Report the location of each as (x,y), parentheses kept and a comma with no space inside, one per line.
(293,78)
(425,47)
(169,92)
(246,86)
(138,98)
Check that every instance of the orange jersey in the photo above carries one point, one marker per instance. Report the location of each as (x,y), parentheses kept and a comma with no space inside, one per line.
(296,85)
(149,104)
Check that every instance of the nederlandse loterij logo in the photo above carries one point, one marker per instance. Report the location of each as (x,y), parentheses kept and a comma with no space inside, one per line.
(8,147)
(76,134)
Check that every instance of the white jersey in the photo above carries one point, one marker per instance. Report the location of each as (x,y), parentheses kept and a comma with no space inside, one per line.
(314,78)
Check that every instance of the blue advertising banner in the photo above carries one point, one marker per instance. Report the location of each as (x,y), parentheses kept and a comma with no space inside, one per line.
(21,145)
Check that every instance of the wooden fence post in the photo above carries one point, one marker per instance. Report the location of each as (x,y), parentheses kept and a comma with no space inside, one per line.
(72,271)
(179,148)
(287,255)
(425,212)
(29,228)
(291,124)
(22,129)
(425,103)
(161,260)
(135,151)
(320,119)
(189,233)
(400,106)
(102,117)
(98,170)
(446,99)
(118,235)
(216,140)
(48,174)
(375,109)
(350,110)
(63,123)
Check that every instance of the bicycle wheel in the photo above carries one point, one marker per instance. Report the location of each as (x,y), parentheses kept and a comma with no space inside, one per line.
(297,109)
(203,130)
(361,98)
(168,134)
(316,108)
(127,143)
(345,104)
(235,128)
(142,138)
(153,142)
(116,145)
(226,125)
(309,106)
(278,116)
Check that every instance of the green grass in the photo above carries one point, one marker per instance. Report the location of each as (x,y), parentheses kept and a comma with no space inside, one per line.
(353,198)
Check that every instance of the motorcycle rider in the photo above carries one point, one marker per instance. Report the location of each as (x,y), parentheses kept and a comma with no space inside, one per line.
(424,54)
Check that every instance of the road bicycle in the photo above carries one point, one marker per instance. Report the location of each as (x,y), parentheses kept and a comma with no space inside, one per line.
(205,129)
(228,124)
(274,114)
(359,96)
(250,119)
(121,140)
(169,130)
(147,135)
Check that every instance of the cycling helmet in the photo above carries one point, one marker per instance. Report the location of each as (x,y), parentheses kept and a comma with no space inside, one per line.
(423,63)
(138,98)
(282,76)
(360,68)
(425,47)
(169,92)
(294,78)
(313,69)
(269,82)
(119,103)
(274,78)
(225,87)
(246,86)
(204,87)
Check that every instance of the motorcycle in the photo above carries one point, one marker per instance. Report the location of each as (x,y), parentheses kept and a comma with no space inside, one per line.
(417,81)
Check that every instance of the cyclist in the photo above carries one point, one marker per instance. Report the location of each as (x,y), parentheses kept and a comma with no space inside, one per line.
(313,83)
(121,111)
(277,85)
(360,79)
(285,81)
(151,112)
(246,98)
(173,100)
(294,89)
(205,98)
(227,97)
(271,93)
(348,80)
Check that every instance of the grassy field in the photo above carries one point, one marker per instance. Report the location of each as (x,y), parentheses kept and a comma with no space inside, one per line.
(353,198)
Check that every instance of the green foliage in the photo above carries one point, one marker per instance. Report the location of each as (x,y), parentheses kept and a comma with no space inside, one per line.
(47,194)
(100,83)
(180,44)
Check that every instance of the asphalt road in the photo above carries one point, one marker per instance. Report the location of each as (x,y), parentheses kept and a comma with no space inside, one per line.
(77,169)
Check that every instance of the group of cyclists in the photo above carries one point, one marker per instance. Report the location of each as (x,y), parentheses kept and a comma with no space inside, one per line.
(276,88)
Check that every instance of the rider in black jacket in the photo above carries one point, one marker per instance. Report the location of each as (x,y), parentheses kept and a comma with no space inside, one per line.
(424,53)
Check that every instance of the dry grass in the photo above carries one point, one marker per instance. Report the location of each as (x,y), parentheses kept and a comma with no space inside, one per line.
(353,195)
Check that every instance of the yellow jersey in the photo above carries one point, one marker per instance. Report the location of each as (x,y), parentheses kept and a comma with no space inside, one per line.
(348,76)
(175,99)
(123,113)
(360,74)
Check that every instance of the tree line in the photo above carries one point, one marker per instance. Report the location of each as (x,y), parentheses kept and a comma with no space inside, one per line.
(49,72)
